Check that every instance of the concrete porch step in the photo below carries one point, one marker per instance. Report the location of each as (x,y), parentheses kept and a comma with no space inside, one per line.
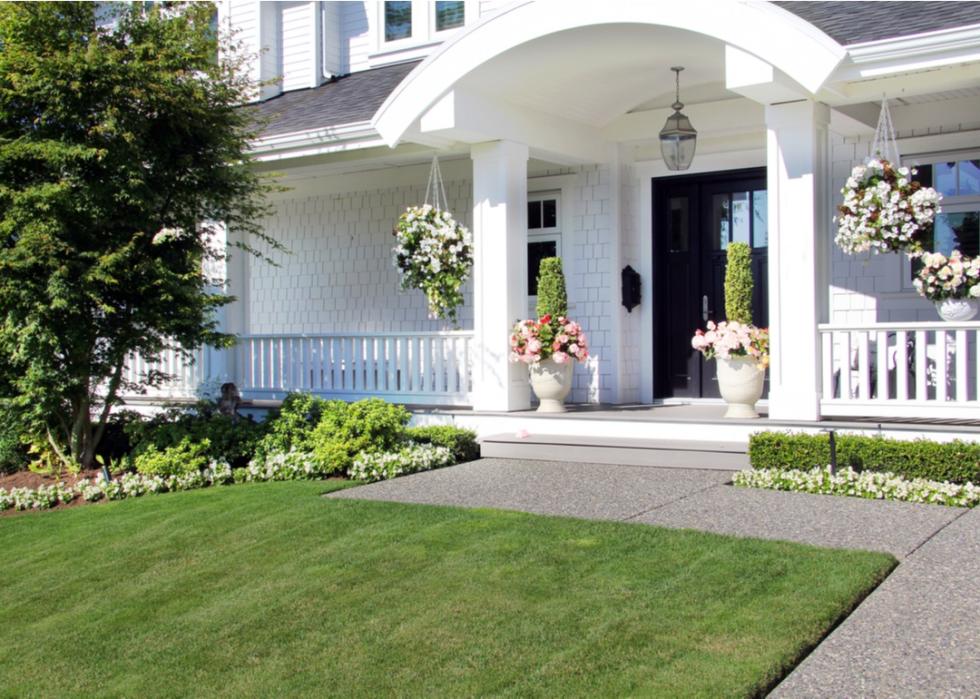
(723,456)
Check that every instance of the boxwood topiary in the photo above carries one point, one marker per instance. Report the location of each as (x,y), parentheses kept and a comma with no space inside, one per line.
(957,461)
(739,283)
(552,297)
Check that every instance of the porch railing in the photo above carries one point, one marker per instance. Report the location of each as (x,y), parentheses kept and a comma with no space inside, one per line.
(905,370)
(187,374)
(432,368)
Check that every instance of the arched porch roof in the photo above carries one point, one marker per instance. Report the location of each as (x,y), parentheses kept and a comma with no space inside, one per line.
(793,46)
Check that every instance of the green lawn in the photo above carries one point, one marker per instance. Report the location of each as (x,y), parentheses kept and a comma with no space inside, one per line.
(268,590)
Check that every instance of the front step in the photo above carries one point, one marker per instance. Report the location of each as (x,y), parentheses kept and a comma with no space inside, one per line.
(722,456)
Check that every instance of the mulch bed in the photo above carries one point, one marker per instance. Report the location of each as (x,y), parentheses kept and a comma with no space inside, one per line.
(29,479)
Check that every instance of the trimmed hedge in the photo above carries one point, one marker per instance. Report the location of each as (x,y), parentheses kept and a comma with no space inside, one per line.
(462,443)
(956,462)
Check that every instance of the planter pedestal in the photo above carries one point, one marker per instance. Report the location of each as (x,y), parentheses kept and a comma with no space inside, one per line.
(551,382)
(740,381)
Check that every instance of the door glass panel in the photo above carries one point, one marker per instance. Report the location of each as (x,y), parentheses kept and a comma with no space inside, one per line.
(449,14)
(398,20)
(741,218)
(969,177)
(944,176)
(760,219)
(534,214)
(679,224)
(549,213)
(537,251)
(720,227)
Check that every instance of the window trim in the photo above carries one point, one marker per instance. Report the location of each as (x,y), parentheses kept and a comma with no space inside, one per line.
(544,235)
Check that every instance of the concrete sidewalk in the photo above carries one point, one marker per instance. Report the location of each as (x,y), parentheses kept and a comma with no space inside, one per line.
(916,635)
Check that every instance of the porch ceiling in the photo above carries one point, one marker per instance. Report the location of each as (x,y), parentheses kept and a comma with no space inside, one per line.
(555,78)
(595,74)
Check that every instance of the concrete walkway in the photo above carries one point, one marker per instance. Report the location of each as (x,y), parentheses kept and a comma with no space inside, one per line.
(916,635)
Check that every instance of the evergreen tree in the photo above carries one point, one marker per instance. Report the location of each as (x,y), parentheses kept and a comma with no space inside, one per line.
(122,142)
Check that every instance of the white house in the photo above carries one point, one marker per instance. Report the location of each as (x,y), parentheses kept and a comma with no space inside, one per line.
(545,117)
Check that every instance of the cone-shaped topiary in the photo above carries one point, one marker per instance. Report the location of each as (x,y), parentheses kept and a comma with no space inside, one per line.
(738,284)
(552,298)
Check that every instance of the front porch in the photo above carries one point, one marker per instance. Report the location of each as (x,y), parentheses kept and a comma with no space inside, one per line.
(850,340)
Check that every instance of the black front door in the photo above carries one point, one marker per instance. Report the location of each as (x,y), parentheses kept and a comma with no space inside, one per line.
(695,217)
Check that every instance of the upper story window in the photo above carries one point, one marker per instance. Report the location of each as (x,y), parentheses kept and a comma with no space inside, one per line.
(398,20)
(411,28)
(450,15)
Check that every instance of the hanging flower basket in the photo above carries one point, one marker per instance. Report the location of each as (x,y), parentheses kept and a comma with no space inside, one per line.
(434,253)
(885,210)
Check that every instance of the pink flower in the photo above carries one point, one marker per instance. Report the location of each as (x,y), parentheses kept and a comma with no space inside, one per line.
(560,357)
(534,345)
(562,338)
(573,349)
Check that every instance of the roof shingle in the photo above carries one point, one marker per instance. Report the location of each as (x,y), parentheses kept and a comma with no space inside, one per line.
(857,22)
(347,99)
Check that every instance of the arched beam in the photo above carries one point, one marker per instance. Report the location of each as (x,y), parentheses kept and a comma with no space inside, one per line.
(774,35)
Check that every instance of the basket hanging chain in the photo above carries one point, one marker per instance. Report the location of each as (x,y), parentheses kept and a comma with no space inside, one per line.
(435,190)
(884,144)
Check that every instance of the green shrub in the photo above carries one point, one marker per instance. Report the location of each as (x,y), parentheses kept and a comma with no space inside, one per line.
(957,462)
(231,440)
(291,427)
(347,429)
(461,443)
(188,456)
(552,298)
(13,450)
(739,283)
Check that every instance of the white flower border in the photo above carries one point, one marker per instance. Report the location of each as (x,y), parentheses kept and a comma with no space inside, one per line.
(381,466)
(874,485)
(282,466)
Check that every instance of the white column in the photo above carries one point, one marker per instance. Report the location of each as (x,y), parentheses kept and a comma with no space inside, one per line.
(222,365)
(798,234)
(499,272)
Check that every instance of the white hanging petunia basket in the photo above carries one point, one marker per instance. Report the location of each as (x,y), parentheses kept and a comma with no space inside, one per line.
(433,252)
(885,209)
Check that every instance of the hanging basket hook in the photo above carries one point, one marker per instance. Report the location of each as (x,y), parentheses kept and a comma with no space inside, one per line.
(435,191)
(884,144)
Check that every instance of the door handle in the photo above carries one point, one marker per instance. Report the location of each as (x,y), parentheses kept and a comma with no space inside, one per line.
(704,308)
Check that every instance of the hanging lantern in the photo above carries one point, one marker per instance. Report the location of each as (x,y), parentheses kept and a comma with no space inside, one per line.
(678,138)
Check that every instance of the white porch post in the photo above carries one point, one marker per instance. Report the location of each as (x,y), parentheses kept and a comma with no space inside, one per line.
(221,365)
(500,272)
(798,226)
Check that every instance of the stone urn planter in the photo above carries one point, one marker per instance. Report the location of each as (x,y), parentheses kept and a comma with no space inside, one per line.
(551,383)
(740,380)
(957,310)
